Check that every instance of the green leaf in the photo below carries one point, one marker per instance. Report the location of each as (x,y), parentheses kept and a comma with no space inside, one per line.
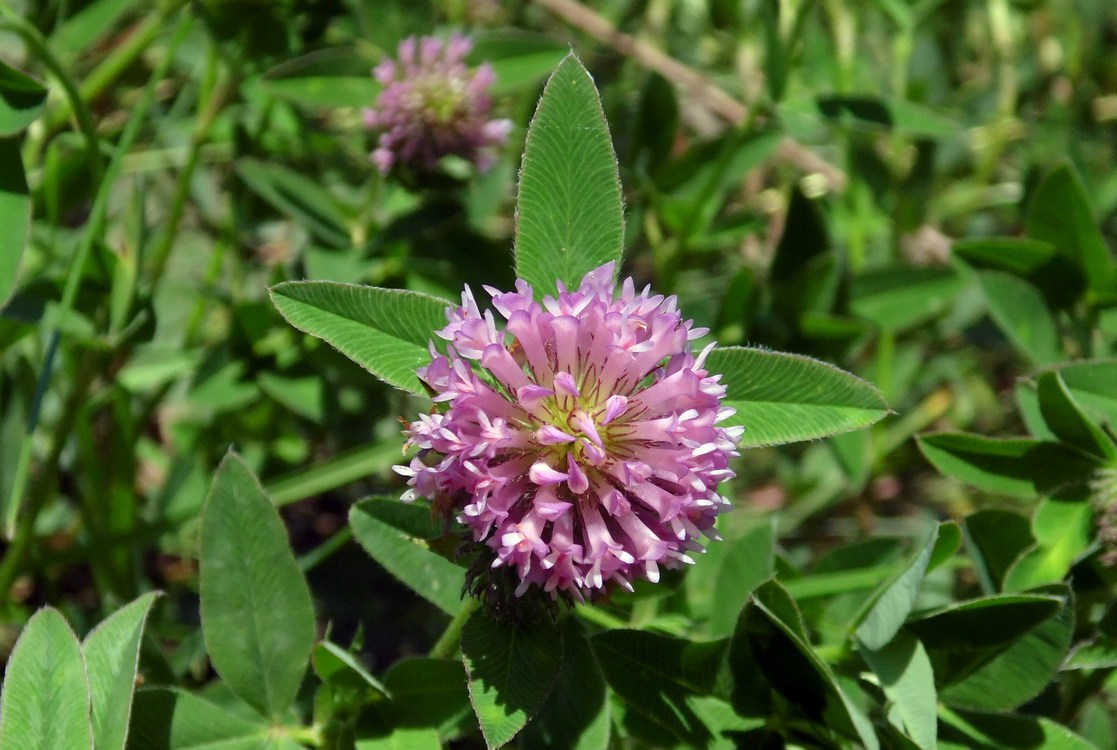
(45,701)
(1020,311)
(771,630)
(15,215)
(988,621)
(995,538)
(784,398)
(87,25)
(1093,384)
(325,78)
(803,273)
(576,713)
(946,545)
(892,603)
(1063,531)
(697,184)
(905,674)
(1066,419)
(775,50)
(112,654)
(257,617)
(173,719)
(511,668)
(324,92)
(304,396)
(899,298)
(1060,214)
(1097,653)
(1017,467)
(21,100)
(655,675)
(655,124)
(569,218)
(153,366)
(1037,262)
(739,566)
(429,575)
(403,739)
(385,331)
(981,731)
(336,666)
(519,59)
(1021,671)
(895,114)
(298,197)
(962,636)
(429,693)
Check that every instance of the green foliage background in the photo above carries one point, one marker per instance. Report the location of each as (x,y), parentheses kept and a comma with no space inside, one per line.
(922,193)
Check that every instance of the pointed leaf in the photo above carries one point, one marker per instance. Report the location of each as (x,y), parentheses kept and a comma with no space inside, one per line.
(905,674)
(898,298)
(112,653)
(299,197)
(1063,531)
(1021,671)
(988,621)
(403,554)
(962,636)
(576,713)
(1039,263)
(783,398)
(511,669)
(44,704)
(1017,467)
(1020,312)
(569,218)
(336,666)
(15,215)
(429,693)
(385,331)
(519,59)
(745,563)
(1060,213)
(257,617)
(773,632)
(1093,384)
(1066,419)
(892,603)
(173,719)
(655,675)
(994,539)
(21,100)
(982,731)
(403,739)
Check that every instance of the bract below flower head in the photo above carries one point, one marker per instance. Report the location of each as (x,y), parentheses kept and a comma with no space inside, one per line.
(433,105)
(577,438)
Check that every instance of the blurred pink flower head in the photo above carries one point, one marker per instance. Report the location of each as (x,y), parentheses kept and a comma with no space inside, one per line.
(433,105)
(578,439)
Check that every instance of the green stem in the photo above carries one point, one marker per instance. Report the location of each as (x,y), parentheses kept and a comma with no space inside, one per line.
(92,233)
(82,114)
(450,641)
(311,735)
(598,616)
(23,536)
(113,65)
(214,97)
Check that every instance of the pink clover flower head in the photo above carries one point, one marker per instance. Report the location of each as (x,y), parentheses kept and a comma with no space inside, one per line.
(433,105)
(577,438)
